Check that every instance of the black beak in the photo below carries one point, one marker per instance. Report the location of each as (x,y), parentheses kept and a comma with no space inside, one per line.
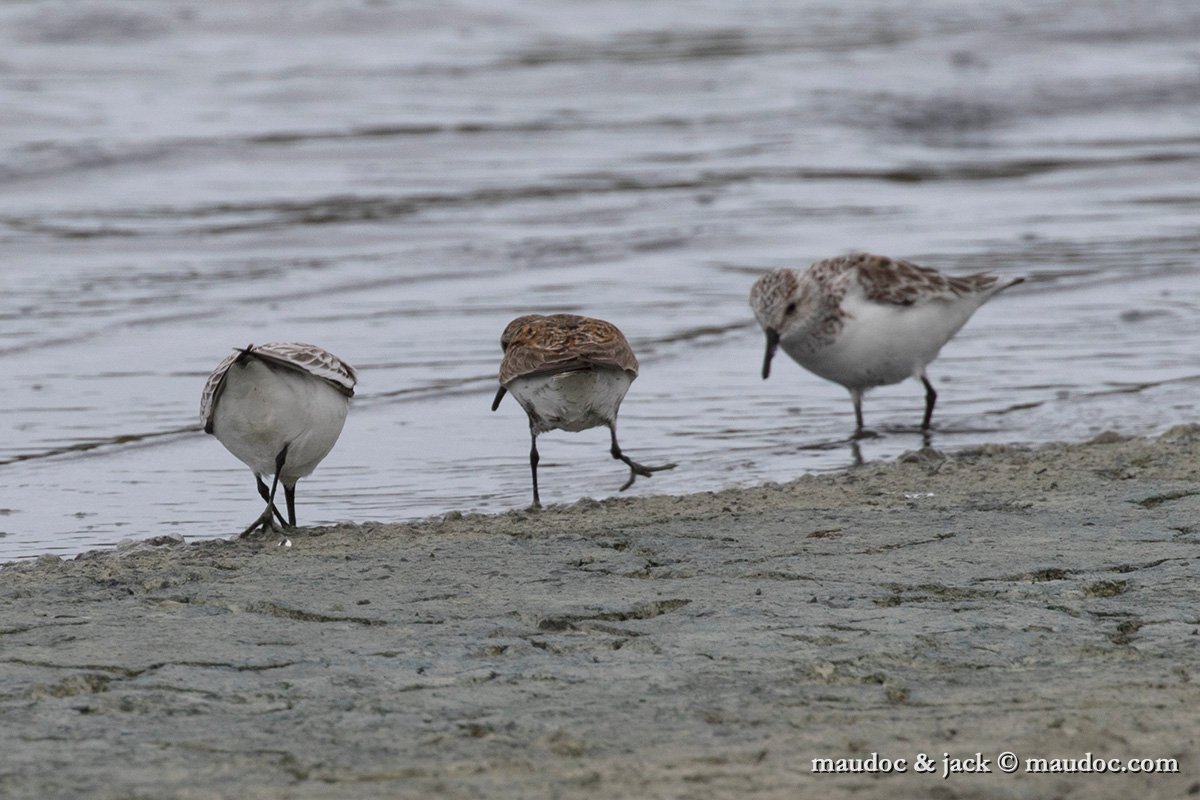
(772,345)
(499,397)
(244,353)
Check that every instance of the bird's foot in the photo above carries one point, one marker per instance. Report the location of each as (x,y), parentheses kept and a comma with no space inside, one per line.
(863,433)
(636,469)
(265,522)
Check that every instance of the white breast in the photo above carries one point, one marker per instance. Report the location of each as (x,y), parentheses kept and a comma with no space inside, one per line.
(262,408)
(572,401)
(881,343)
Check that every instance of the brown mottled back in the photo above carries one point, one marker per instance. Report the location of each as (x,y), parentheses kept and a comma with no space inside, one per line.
(536,345)
(902,283)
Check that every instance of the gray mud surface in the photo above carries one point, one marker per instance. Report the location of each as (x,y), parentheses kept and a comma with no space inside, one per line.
(1043,602)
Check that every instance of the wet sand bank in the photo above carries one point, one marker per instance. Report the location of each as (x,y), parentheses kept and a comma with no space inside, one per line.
(1042,602)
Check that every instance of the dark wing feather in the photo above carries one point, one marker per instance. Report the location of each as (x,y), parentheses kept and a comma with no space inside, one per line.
(212,390)
(538,345)
(306,358)
(313,360)
(903,283)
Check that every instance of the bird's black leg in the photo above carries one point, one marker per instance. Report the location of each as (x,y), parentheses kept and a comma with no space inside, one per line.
(930,399)
(533,462)
(265,493)
(267,519)
(859,433)
(635,468)
(279,459)
(290,493)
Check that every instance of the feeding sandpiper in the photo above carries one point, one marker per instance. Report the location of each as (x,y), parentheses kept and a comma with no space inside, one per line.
(279,408)
(569,373)
(864,320)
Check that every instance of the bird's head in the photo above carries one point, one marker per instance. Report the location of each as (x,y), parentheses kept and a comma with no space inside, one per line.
(783,305)
(513,329)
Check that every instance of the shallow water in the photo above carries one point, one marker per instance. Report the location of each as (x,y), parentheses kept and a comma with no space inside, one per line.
(396,181)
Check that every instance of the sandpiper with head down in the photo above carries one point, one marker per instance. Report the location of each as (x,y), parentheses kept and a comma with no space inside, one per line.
(569,373)
(864,320)
(279,408)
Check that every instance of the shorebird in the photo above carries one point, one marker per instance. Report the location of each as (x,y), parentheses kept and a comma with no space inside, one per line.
(279,408)
(864,320)
(569,373)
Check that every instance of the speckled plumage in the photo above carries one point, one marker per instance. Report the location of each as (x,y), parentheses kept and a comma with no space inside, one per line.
(864,320)
(536,344)
(307,358)
(568,373)
(279,408)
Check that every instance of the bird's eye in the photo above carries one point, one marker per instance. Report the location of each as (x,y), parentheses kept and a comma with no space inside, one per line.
(791,309)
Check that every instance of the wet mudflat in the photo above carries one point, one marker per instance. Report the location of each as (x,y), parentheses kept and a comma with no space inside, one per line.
(1039,601)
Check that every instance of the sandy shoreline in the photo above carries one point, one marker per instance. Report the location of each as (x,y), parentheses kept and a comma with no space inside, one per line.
(1042,602)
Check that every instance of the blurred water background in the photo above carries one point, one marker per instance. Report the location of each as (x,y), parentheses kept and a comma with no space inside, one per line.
(396,180)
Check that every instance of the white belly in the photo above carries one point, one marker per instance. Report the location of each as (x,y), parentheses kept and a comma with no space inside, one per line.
(261,409)
(571,401)
(881,344)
